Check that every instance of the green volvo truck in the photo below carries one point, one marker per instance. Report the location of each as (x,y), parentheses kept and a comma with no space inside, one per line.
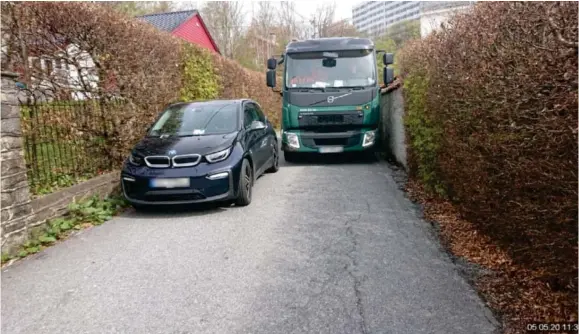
(331,95)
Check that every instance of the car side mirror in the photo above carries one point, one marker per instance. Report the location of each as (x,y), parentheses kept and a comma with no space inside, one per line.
(388,75)
(257,125)
(271,64)
(270,78)
(388,59)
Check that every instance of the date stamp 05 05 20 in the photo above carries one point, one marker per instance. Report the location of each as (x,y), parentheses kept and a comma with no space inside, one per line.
(552,327)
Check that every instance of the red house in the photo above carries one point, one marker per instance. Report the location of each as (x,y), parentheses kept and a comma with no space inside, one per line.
(186,24)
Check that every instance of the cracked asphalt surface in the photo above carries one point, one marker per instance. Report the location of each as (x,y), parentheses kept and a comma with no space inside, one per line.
(323,248)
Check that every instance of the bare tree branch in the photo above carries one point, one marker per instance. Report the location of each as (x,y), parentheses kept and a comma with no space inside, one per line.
(557,30)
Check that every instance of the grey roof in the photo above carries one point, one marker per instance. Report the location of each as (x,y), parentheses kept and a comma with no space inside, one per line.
(168,21)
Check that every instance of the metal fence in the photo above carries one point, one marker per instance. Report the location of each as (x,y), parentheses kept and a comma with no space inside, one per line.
(63,142)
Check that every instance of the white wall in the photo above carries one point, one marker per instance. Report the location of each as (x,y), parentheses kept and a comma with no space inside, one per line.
(392,123)
(69,75)
(430,21)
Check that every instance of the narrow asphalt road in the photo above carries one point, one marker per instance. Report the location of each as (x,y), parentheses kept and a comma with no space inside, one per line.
(323,248)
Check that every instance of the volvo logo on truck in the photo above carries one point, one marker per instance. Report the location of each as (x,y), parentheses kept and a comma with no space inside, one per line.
(331,99)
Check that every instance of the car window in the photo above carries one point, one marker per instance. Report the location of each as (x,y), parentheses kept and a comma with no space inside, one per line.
(203,118)
(250,115)
(260,113)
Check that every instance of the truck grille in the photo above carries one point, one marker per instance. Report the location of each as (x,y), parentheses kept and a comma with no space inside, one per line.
(331,119)
(334,118)
(349,141)
(331,141)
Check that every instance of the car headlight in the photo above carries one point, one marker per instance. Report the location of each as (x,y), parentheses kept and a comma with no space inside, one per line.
(218,156)
(135,160)
(369,138)
(293,140)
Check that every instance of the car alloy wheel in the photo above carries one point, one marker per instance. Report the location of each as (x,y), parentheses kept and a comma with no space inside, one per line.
(247,180)
(245,184)
(275,166)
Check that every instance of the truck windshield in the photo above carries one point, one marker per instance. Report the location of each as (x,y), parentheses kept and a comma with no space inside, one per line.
(352,68)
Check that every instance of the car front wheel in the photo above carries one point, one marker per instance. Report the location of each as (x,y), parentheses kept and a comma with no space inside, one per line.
(245,184)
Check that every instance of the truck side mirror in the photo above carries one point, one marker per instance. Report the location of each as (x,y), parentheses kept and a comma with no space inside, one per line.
(388,59)
(388,75)
(270,78)
(271,64)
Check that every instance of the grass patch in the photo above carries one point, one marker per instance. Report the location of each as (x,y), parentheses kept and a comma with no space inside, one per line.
(87,213)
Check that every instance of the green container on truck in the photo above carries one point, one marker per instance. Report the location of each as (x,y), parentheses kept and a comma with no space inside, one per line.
(331,95)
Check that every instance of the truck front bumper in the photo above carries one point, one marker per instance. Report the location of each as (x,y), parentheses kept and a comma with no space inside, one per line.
(329,142)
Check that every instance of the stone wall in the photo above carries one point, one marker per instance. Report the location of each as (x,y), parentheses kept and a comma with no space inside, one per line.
(15,205)
(19,214)
(393,139)
(55,204)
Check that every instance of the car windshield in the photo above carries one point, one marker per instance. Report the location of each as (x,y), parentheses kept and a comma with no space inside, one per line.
(197,119)
(353,68)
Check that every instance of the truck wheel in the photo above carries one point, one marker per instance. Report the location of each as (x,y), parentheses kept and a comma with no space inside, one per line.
(245,184)
(370,155)
(290,156)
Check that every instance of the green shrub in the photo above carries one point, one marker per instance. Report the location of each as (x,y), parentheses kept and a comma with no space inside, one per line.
(200,82)
(424,133)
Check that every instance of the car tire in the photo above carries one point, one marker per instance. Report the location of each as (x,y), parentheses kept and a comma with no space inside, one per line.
(290,156)
(245,184)
(275,167)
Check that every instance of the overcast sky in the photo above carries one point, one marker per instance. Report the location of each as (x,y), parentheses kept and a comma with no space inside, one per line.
(343,8)
(303,7)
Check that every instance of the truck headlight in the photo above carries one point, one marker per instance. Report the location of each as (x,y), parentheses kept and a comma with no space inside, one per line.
(369,138)
(293,140)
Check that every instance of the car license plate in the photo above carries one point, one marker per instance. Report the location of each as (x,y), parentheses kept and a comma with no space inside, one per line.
(170,183)
(331,149)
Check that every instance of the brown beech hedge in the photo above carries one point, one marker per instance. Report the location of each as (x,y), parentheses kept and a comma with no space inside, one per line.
(140,70)
(492,125)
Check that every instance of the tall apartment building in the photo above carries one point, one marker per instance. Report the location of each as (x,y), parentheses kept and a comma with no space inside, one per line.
(375,17)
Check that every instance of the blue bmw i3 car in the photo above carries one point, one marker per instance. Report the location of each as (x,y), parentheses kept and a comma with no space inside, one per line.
(201,152)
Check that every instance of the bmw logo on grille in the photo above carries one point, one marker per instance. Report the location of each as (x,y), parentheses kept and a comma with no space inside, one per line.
(172,152)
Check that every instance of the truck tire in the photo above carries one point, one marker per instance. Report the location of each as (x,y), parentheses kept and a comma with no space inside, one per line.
(245,184)
(290,156)
(370,155)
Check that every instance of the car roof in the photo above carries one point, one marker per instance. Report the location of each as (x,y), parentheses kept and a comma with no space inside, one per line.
(216,101)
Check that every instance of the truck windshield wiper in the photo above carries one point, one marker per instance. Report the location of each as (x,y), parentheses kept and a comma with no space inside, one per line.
(320,101)
(333,99)
(307,89)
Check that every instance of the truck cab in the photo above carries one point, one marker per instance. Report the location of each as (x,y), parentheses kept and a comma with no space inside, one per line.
(331,95)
